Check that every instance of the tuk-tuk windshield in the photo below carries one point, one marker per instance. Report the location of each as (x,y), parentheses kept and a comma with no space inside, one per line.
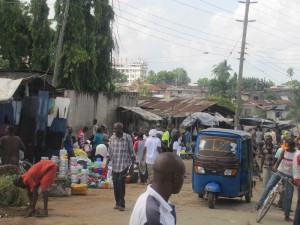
(219,144)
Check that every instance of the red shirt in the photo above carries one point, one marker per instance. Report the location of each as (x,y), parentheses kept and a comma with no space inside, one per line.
(297,181)
(33,177)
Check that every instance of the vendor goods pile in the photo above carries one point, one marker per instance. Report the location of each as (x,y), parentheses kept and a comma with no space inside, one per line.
(10,195)
(98,176)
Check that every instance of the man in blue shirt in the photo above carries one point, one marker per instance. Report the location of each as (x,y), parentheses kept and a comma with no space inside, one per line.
(69,141)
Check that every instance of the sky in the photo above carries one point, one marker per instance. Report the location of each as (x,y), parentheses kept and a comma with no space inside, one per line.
(198,34)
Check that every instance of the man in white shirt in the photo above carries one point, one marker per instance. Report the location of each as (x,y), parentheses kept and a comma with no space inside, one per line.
(284,169)
(152,206)
(151,151)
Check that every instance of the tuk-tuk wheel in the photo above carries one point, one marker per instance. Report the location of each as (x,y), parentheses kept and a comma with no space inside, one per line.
(248,197)
(211,199)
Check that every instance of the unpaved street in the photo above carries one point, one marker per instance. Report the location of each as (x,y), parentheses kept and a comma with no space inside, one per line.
(96,208)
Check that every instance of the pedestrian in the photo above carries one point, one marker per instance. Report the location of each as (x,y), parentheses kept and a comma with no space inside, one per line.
(296,175)
(187,139)
(176,146)
(139,146)
(81,137)
(274,137)
(41,175)
(95,126)
(284,170)
(69,141)
(97,140)
(104,131)
(121,154)
(259,139)
(10,146)
(268,159)
(152,207)
(151,150)
(166,138)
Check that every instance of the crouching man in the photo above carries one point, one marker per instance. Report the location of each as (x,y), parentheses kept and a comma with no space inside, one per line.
(41,175)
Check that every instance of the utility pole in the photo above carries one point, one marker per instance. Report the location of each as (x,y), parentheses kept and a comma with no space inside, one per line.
(60,43)
(241,66)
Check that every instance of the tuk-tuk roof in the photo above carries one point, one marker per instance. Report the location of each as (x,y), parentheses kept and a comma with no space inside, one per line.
(243,134)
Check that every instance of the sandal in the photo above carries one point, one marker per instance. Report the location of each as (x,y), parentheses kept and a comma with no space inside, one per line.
(42,213)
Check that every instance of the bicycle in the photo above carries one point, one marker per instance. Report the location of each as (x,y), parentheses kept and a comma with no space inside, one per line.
(270,198)
(24,166)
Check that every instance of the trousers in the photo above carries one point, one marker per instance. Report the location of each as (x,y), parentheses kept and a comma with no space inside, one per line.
(288,192)
(119,187)
(297,212)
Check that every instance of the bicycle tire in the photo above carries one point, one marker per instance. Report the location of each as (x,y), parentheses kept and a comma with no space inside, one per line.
(267,204)
(24,166)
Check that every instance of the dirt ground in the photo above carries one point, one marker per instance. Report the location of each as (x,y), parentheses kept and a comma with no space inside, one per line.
(96,208)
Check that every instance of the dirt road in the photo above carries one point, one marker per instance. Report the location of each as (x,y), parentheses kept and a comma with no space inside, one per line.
(96,209)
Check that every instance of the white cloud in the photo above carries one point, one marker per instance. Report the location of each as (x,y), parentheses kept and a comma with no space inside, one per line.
(272,30)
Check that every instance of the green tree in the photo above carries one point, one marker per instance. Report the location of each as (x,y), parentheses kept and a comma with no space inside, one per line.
(142,89)
(181,77)
(14,38)
(294,110)
(4,63)
(203,82)
(104,16)
(41,35)
(222,101)
(177,77)
(119,77)
(86,54)
(290,74)
(220,84)
(253,83)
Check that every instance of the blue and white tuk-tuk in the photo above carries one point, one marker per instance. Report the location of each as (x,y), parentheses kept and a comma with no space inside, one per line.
(222,165)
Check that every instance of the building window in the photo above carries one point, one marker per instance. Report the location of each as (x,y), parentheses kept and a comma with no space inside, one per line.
(255,97)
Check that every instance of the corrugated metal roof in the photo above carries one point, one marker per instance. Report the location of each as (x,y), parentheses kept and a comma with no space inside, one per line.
(177,107)
(143,113)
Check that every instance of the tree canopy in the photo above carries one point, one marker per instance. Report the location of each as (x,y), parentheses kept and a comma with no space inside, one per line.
(27,41)
(176,77)
(223,84)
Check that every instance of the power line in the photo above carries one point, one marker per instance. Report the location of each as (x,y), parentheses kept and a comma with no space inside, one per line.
(175,35)
(193,7)
(261,71)
(259,22)
(190,28)
(204,52)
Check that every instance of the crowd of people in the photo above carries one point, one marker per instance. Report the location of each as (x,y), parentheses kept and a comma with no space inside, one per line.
(158,151)
(279,156)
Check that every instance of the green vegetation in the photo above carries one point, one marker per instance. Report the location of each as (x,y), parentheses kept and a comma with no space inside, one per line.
(176,77)
(223,84)
(222,101)
(28,42)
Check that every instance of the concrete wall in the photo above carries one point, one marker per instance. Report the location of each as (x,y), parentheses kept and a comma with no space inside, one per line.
(86,106)
(272,115)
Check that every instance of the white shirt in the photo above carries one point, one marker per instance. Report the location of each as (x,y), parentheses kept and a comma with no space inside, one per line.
(151,208)
(177,147)
(296,167)
(151,145)
(286,165)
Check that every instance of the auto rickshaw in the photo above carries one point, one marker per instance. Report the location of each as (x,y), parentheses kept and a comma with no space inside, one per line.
(222,165)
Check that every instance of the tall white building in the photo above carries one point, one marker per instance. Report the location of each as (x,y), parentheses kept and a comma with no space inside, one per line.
(137,70)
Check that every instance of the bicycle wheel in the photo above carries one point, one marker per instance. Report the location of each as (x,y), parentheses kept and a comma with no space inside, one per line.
(267,204)
(24,166)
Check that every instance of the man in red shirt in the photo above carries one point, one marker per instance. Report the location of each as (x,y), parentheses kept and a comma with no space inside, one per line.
(41,175)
